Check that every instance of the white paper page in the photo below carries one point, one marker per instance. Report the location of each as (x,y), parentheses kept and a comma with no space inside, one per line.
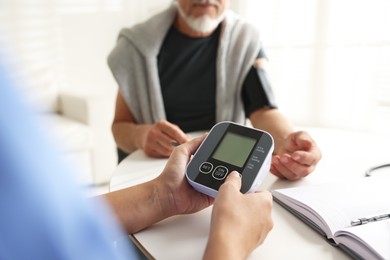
(339,203)
(374,236)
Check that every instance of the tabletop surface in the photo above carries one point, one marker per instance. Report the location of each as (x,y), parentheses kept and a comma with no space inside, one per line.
(346,155)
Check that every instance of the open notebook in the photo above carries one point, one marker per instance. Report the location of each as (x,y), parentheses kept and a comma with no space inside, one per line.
(329,209)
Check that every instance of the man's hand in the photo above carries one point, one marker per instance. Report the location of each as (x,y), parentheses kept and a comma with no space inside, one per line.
(297,156)
(160,137)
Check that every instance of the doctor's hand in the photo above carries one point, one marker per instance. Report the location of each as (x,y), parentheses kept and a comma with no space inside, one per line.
(140,206)
(297,157)
(239,222)
(182,198)
(160,137)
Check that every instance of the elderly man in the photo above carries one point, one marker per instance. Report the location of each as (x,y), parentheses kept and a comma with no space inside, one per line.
(189,67)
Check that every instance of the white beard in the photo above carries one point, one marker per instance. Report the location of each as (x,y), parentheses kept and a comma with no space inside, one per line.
(203,24)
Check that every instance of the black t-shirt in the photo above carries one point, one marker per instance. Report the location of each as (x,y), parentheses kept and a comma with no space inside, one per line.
(187,71)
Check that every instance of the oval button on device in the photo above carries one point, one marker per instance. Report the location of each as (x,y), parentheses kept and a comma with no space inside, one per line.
(220,172)
(206,167)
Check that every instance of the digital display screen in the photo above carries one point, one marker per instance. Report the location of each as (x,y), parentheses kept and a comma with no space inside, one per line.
(234,149)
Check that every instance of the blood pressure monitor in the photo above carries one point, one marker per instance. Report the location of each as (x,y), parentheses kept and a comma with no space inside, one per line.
(231,147)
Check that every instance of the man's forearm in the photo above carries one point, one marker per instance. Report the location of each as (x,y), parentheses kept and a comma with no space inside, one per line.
(272,121)
(129,136)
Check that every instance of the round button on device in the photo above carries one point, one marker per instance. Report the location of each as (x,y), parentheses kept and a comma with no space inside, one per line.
(206,167)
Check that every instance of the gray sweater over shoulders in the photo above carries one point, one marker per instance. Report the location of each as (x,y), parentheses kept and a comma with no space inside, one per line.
(133,63)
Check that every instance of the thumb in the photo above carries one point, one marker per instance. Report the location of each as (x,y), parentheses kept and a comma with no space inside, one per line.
(234,179)
(303,141)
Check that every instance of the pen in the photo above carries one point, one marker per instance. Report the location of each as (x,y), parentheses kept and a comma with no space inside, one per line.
(361,221)
(174,143)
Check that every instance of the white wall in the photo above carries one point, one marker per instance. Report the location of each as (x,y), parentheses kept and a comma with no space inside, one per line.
(89,37)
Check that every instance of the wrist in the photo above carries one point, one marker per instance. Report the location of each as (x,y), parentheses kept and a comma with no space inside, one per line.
(223,245)
(279,142)
(141,133)
(163,199)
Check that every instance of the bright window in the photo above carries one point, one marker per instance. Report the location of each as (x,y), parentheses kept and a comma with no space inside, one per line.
(329,59)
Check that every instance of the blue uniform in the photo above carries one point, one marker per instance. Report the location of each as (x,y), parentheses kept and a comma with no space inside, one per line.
(44,215)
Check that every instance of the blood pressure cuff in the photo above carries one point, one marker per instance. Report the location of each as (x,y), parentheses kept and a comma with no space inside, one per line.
(257,92)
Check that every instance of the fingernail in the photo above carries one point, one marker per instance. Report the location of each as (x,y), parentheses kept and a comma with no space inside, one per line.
(296,157)
(235,174)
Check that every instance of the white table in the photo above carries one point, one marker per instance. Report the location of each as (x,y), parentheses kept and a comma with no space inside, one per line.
(345,155)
